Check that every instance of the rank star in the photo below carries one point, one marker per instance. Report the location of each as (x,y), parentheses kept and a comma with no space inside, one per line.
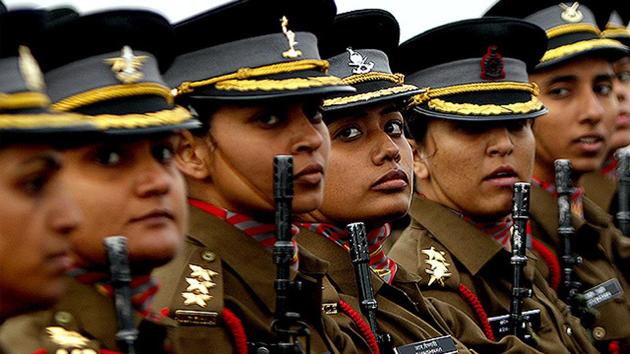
(195,285)
(201,273)
(432,253)
(197,299)
(63,337)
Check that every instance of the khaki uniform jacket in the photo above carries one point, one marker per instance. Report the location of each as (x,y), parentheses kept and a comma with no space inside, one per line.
(406,315)
(601,245)
(601,190)
(84,321)
(244,283)
(483,266)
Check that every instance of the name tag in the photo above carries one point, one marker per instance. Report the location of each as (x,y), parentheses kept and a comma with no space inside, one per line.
(602,293)
(501,325)
(438,345)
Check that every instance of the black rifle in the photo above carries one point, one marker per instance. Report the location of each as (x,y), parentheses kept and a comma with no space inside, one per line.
(287,324)
(623,192)
(361,261)
(520,215)
(118,257)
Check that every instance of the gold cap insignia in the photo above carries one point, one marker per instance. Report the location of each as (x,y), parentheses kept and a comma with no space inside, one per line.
(571,13)
(438,267)
(199,283)
(359,62)
(126,66)
(292,52)
(65,338)
(31,73)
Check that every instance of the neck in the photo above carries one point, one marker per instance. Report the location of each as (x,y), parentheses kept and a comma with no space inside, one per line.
(546,172)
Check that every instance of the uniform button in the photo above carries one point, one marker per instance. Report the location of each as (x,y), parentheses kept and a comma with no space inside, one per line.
(208,256)
(63,317)
(599,333)
(569,331)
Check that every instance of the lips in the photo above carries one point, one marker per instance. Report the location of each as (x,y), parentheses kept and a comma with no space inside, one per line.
(623,120)
(311,174)
(393,180)
(590,143)
(503,176)
(155,214)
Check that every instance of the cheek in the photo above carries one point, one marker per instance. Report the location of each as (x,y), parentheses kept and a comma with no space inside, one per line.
(178,200)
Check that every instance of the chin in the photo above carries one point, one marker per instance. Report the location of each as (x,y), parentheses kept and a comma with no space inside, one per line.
(155,248)
(306,203)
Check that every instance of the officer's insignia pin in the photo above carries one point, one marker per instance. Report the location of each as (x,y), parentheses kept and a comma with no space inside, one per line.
(571,13)
(65,338)
(438,268)
(126,66)
(199,285)
(30,70)
(358,61)
(292,52)
(492,66)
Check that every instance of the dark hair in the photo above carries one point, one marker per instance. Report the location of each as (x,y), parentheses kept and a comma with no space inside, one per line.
(416,125)
(201,110)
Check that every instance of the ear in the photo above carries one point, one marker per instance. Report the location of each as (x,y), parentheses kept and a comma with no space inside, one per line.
(192,155)
(420,167)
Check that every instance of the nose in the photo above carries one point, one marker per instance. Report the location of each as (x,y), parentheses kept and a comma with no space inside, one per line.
(500,142)
(65,214)
(592,110)
(305,136)
(620,92)
(385,149)
(154,179)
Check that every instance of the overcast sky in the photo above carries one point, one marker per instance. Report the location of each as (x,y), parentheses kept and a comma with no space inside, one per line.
(414,16)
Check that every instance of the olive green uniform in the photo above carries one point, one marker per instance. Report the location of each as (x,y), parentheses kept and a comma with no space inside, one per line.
(601,190)
(243,277)
(403,312)
(83,321)
(475,260)
(601,246)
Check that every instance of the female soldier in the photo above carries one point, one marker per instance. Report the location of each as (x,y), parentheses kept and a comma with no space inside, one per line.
(124,179)
(369,180)
(473,141)
(258,87)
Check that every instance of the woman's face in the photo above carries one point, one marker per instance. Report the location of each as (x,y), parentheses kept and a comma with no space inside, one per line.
(472,166)
(130,188)
(37,215)
(621,88)
(370,168)
(233,163)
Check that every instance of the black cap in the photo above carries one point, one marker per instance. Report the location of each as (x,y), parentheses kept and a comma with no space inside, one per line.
(24,107)
(475,70)
(571,29)
(357,46)
(616,17)
(248,50)
(107,66)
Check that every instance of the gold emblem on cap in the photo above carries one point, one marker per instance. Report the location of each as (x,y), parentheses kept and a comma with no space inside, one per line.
(359,62)
(65,338)
(199,282)
(127,65)
(571,13)
(438,267)
(30,70)
(292,52)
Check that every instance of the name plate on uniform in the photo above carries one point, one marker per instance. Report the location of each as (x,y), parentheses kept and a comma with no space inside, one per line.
(602,293)
(438,345)
(501,325)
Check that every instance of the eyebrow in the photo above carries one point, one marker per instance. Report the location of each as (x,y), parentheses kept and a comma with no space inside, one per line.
(564,78)
(390,109)
(604,77)
(49,161)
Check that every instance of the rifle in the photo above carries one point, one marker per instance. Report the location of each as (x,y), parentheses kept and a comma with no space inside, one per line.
(118,257)
(623,192)
(361,259)
(286,324)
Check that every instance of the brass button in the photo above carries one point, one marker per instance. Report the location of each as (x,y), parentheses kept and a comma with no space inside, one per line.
(63,317)
(599,333)
(208,256)
(569,331)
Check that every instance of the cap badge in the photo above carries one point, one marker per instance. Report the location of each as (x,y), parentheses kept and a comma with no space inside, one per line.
(438,267)
(31,73)
(492,66)
(358,61)
(126,66)
(199,283)
(571,13)
(292,52)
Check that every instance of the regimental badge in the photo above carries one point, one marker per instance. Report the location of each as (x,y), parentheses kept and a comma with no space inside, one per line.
(69,340)
(31,73)
(492,66)
(571,13)
(127,66)
(292,52)
(359,62)
(438,267)
(199,285)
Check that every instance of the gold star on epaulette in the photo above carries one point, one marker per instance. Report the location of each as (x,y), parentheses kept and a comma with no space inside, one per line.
(198,299)
(203,273)
(199,283)
(126,67)
(200,286)
(292,52)
(65,338)
(31,73)
(432,253)
(571,13)
(438,268)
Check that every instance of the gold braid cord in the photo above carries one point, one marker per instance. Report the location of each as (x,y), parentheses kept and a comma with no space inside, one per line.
(617,31)
(571,28)
(431,93)
(111,92)
(485,109)
(44,120)
(140,120)
(368,95)
(285,84)
(374,76)
(581,46)
(246,73)
(23,100)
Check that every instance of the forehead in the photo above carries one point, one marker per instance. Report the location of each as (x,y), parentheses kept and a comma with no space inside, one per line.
(588,69)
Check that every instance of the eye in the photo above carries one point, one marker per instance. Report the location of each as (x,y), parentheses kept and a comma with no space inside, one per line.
(108,156)
(394,128)
(314,112)
(518,125)
(162,153)
(35,183)
(348,134)
(603,89)
(623,76)
(558,92)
